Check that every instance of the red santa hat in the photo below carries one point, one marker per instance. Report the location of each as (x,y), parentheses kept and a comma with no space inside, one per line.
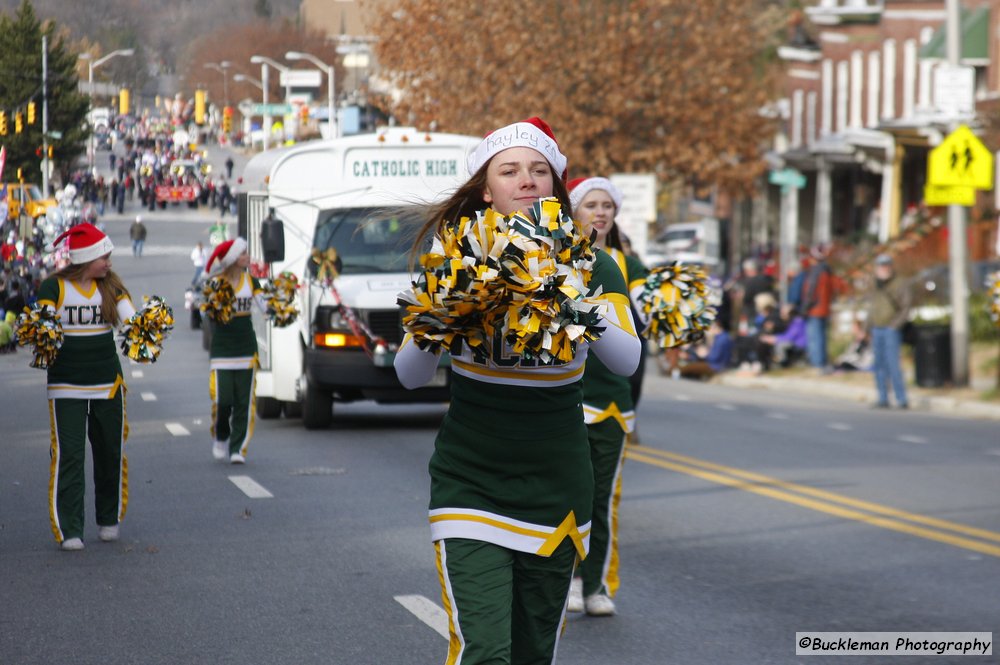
(225,255)
(532,133)
(86,243)
(580,187)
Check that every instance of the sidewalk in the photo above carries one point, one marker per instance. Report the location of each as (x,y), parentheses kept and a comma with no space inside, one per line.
(860,387)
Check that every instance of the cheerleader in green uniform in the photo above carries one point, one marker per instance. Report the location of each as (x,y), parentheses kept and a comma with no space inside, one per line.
(233,355)
(511,479)
(86,390)
(607,409)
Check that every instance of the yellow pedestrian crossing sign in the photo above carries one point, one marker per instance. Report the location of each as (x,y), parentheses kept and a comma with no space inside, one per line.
(960,161)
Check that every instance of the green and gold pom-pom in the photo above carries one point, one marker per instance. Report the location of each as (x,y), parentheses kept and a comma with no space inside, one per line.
(141,337)
(218,300)
(518,278)
(994,284)
(39,327)
(281,299)
(678,303)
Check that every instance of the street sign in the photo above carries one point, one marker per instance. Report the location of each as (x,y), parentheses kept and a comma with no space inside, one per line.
(954,90)
(787,178)
(638,209)
(945,196)
(271,109)
(302,78)
(960,161)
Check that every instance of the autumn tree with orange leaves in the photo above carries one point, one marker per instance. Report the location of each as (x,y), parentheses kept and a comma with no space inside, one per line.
(670,86)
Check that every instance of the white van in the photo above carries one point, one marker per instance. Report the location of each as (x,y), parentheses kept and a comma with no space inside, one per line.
(360,195)
(697,242)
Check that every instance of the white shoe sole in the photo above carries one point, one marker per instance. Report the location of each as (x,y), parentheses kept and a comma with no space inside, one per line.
(108,534)
(219,450)
(71,545)
(236,458)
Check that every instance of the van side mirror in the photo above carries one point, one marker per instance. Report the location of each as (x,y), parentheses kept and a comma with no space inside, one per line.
(272,238)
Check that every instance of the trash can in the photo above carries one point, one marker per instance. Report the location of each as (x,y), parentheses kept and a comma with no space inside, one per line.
(932,355)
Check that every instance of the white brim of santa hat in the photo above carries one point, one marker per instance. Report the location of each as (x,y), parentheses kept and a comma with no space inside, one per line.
(229,258)
(517,135)
(577,194)
(88,254)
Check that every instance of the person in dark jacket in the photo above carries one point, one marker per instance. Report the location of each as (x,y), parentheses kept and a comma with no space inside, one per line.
(889,307)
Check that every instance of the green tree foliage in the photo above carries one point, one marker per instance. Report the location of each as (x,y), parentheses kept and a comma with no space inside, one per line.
(21,83)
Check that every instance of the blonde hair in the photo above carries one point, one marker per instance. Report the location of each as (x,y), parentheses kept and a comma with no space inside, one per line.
(110,287)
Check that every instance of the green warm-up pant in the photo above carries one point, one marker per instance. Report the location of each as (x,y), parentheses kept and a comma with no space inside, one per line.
(607,453)
(504,607)
(73,422)
(233,409)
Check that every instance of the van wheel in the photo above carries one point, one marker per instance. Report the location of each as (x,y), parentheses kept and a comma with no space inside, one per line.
(292,409)
(268,408)
(317,408)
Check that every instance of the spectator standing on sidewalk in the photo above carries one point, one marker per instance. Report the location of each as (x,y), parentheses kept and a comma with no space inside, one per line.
(229,167)
(817,298)
(137,233)
(198,258)
(889,307)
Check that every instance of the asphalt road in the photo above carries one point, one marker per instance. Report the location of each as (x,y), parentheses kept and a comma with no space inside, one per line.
(747,516)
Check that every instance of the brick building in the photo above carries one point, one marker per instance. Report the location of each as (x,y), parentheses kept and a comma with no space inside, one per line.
(860,111)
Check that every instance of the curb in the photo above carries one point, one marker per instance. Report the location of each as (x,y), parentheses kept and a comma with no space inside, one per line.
(934,404)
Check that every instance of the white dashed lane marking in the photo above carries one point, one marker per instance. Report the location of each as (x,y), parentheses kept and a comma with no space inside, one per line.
(426,611)
(912,438)
(177,429)
(725,407)
(778,416)
(682,398)
(840,427)
(148,397)
(251,487)
(137,374)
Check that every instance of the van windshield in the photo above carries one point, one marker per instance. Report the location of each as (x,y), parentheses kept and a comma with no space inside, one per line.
(367,239)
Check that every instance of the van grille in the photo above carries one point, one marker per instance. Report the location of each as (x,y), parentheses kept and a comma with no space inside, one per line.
(386,323)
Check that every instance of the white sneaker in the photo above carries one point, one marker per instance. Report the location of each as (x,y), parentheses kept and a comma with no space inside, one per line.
(236,458)
(219,449)
(599,605)
(108,533)
(71,545)
(575,603)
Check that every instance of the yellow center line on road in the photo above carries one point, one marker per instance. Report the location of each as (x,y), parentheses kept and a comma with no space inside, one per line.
(884,516)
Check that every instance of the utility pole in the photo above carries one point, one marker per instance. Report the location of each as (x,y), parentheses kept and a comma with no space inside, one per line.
(957,241)
(45,117)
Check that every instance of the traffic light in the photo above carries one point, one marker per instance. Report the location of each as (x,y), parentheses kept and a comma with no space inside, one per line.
(304,114)
(123,101)
(50,152)
(227,119)
(31,113)
(199,107)
(18,122)
(3,123)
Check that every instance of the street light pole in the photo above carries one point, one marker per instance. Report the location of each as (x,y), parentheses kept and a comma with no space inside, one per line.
(263,89)
(957,242)
(330,92)
(91,66)
(264,61)
(45,117)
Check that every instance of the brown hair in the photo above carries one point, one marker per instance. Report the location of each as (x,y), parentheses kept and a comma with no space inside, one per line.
(232,274)
(110,286)
(466,202)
